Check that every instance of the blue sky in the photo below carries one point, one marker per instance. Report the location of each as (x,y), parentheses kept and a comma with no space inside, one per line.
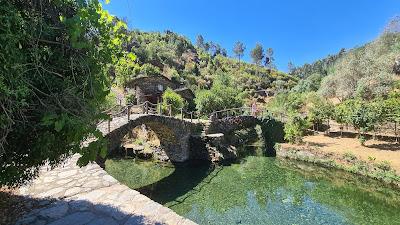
(300,31)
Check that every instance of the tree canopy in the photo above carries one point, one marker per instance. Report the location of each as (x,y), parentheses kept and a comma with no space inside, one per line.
(55,58)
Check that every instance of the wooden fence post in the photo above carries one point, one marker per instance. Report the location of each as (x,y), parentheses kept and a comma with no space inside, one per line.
(182,113)
(191,117)
(170,110)
(129,112)
(109,125)
(146,108)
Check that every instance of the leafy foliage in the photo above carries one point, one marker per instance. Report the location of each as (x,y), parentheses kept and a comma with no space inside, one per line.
(295,128)
(239,50)
(320,110)
(55,58)
(363,79)
(365,72)
(257,54)
(222,95)
(174,56)
(175,100)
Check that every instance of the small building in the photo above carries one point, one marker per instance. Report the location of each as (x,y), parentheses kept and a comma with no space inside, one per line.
(151,89)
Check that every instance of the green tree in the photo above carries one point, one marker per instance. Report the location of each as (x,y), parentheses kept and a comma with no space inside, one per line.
(364,116)
(309,84)
(55,58)
(257,54)
(200,42)
(342,114)
(207,102)
(173,100)
(320,111)
(222,95)
(126,69)
(291,67)
(295,128)
(150,70)
(239,50)
(269,59)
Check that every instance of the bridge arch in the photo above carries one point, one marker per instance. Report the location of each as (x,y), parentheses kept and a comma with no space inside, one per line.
(174,135)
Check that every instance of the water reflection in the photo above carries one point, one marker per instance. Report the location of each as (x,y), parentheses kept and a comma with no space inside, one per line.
(261,190)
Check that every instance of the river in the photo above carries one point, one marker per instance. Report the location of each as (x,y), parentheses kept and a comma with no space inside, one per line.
(261,190)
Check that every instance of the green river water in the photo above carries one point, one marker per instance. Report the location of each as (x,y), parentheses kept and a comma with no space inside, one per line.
(260,190)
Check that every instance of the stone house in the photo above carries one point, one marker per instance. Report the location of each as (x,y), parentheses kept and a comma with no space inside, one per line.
(151,89)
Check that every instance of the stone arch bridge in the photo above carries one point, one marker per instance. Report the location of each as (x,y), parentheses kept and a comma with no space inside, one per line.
(175,133)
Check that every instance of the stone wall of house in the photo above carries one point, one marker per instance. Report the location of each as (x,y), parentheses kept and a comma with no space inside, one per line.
(150,86)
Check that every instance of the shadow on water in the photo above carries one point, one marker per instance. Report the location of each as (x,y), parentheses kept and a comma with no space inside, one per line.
(186,179)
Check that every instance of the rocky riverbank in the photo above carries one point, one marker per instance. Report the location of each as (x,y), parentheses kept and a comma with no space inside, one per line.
(381,171)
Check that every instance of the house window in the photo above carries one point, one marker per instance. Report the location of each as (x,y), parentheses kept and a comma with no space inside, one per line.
(160,87)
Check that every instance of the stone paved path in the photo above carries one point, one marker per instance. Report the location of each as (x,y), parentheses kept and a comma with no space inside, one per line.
(88,195)
(72,195)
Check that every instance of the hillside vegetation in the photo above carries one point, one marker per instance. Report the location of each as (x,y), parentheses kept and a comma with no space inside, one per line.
(359,87)
(174,56)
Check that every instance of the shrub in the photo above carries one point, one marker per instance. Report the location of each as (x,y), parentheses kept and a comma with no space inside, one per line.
(207,102)
(221,96)
(131,98)
(349,157)
(150,70)
(320,110)
(362,139)
(126,69)
(384,165)
(295,128)
(175,100)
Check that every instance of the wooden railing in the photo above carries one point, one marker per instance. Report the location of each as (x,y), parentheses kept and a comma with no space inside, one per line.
(241,111)
(149,108)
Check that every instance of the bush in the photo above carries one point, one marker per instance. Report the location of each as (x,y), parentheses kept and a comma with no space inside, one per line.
(384,165)
(126,69)
(282,104)
(207,102)
(131,98)
(54,58)
(221,96)
(110,101)
(320,110)
(296,128)
(150,70)
(349,157)
(362,139)
(175,100)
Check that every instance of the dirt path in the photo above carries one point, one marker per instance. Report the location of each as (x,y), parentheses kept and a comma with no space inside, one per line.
(376,149)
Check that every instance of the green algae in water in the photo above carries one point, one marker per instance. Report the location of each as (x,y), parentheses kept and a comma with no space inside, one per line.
(136,173)
(261,190)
